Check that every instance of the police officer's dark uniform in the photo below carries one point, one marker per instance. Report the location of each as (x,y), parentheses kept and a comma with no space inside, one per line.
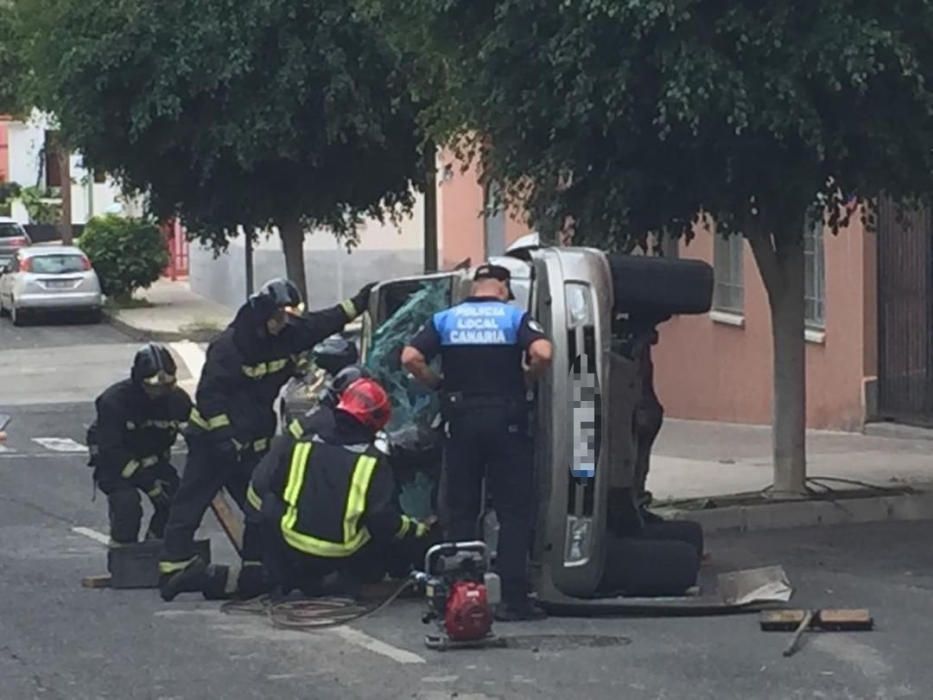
(233,421)
(327,503)
(138,420)
(482,342)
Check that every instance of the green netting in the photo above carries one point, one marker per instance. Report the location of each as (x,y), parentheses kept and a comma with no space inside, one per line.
(412,404)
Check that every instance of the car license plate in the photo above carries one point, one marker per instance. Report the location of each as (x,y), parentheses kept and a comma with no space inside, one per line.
(58,284)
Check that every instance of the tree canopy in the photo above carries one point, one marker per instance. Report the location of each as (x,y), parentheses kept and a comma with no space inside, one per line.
(12,67)
(633,115)
(636,117)
(258,113)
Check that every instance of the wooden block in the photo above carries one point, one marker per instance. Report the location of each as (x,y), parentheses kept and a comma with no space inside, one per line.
(829,620)
(781,620)
(96,582)
(852,620)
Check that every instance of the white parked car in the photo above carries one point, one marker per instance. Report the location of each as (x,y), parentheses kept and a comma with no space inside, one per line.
(49,278)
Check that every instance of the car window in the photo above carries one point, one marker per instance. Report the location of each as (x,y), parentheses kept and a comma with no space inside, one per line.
(57,264)
(8,230)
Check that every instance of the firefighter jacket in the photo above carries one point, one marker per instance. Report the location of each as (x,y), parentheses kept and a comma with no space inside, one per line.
(245,369)
(133,432)
(332,494)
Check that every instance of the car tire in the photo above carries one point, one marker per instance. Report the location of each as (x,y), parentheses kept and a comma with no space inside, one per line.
(651,286)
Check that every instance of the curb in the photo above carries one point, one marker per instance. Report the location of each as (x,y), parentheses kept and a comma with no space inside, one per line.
(800,514)
(143,335)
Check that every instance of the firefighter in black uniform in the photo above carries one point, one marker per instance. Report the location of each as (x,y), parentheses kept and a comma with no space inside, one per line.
(483,344)
(233,421)
(138,420)
(327,504)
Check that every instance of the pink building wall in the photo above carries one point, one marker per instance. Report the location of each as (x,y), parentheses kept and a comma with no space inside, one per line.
(4,151)
(708,370)
(460,215)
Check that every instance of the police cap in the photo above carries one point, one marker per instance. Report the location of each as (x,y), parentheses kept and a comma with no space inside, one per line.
(488,271)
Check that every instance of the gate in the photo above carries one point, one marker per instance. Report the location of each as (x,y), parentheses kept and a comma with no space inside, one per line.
(905,315)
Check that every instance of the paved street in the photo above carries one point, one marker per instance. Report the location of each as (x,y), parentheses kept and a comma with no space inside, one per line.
(58,640)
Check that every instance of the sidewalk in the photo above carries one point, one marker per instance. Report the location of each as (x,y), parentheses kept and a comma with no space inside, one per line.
(176,313)
(716,472)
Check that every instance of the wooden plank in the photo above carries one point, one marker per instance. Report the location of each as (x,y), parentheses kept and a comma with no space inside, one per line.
(228,520)
(96,581)
(829,619)
(852,620)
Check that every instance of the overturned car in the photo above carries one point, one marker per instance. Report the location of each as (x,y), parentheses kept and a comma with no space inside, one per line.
(601,311)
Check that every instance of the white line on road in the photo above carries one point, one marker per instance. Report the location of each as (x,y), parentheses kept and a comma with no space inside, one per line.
(192,355)
(354,636)
(60,444)
(4,448)
(93,534)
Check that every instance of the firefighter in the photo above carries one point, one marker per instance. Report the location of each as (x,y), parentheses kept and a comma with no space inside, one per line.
(233,420)
(483,344)
(138,420)
(326,504)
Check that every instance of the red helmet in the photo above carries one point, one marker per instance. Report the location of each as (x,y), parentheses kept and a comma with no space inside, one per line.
(368,402)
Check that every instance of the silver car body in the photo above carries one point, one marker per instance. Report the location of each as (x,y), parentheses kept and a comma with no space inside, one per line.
(50,277)
(12,238)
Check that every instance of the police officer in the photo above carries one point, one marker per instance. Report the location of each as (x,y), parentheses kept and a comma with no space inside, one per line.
(483,344)
(138,420)
(326,504)
(233,422)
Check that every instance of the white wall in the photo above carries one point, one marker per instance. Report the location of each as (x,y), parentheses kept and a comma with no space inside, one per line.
(26,140)
(333,273)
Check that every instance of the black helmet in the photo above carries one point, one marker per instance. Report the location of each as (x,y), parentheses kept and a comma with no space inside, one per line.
(276,294)
(154,366)
(341,380)
(334,354)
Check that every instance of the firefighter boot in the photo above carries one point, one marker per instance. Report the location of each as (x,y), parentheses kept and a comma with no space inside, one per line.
(252,581)
(192,579)
(219,582)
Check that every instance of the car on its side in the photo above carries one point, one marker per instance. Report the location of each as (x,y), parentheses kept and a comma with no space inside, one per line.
(49,278)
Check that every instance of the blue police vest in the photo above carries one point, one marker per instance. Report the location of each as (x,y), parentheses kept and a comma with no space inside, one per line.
(483,323)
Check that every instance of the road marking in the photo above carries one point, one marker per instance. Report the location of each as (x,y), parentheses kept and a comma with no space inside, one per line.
(354,636)
(4,448)
(60,444)
(93,534)
(192,355)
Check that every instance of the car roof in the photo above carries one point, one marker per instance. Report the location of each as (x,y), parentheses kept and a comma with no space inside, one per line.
(7,220)
(37,250)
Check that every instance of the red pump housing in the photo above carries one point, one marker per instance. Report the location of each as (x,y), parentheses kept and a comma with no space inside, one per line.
(467,617)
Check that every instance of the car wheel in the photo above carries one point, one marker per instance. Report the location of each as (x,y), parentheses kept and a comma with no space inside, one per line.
(650,286)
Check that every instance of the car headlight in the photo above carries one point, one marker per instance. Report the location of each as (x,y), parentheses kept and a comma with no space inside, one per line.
(578,540)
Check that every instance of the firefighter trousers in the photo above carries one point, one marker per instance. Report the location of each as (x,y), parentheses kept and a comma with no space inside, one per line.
(207,470)
(492,442)
(124,504)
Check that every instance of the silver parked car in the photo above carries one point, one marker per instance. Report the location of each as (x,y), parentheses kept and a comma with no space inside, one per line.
(49,278)
(12,238)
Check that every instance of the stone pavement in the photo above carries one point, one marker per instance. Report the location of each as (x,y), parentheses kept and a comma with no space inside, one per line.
(176,313)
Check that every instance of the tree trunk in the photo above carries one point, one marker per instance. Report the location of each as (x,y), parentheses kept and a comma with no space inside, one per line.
(64,160)
(293,236)
(782,268)
(430,208)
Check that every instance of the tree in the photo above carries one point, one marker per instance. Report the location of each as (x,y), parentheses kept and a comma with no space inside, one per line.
(12,67)
(257,113)
(638,117)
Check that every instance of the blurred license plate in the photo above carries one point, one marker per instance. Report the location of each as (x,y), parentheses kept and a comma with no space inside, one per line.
(58,284)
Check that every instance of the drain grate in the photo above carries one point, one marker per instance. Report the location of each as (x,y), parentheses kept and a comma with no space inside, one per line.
(564,642)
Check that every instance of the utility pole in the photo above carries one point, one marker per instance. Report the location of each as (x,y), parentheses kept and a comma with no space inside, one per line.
(430,208)
(248,250)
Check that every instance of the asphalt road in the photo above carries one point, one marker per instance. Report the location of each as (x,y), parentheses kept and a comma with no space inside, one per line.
(59,640)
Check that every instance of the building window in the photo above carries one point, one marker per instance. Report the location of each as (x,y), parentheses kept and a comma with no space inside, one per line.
(728,257)
(494,221)
(814,271)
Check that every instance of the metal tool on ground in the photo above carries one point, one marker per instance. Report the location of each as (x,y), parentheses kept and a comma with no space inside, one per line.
(231,525)
(800,621)
(460,591)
